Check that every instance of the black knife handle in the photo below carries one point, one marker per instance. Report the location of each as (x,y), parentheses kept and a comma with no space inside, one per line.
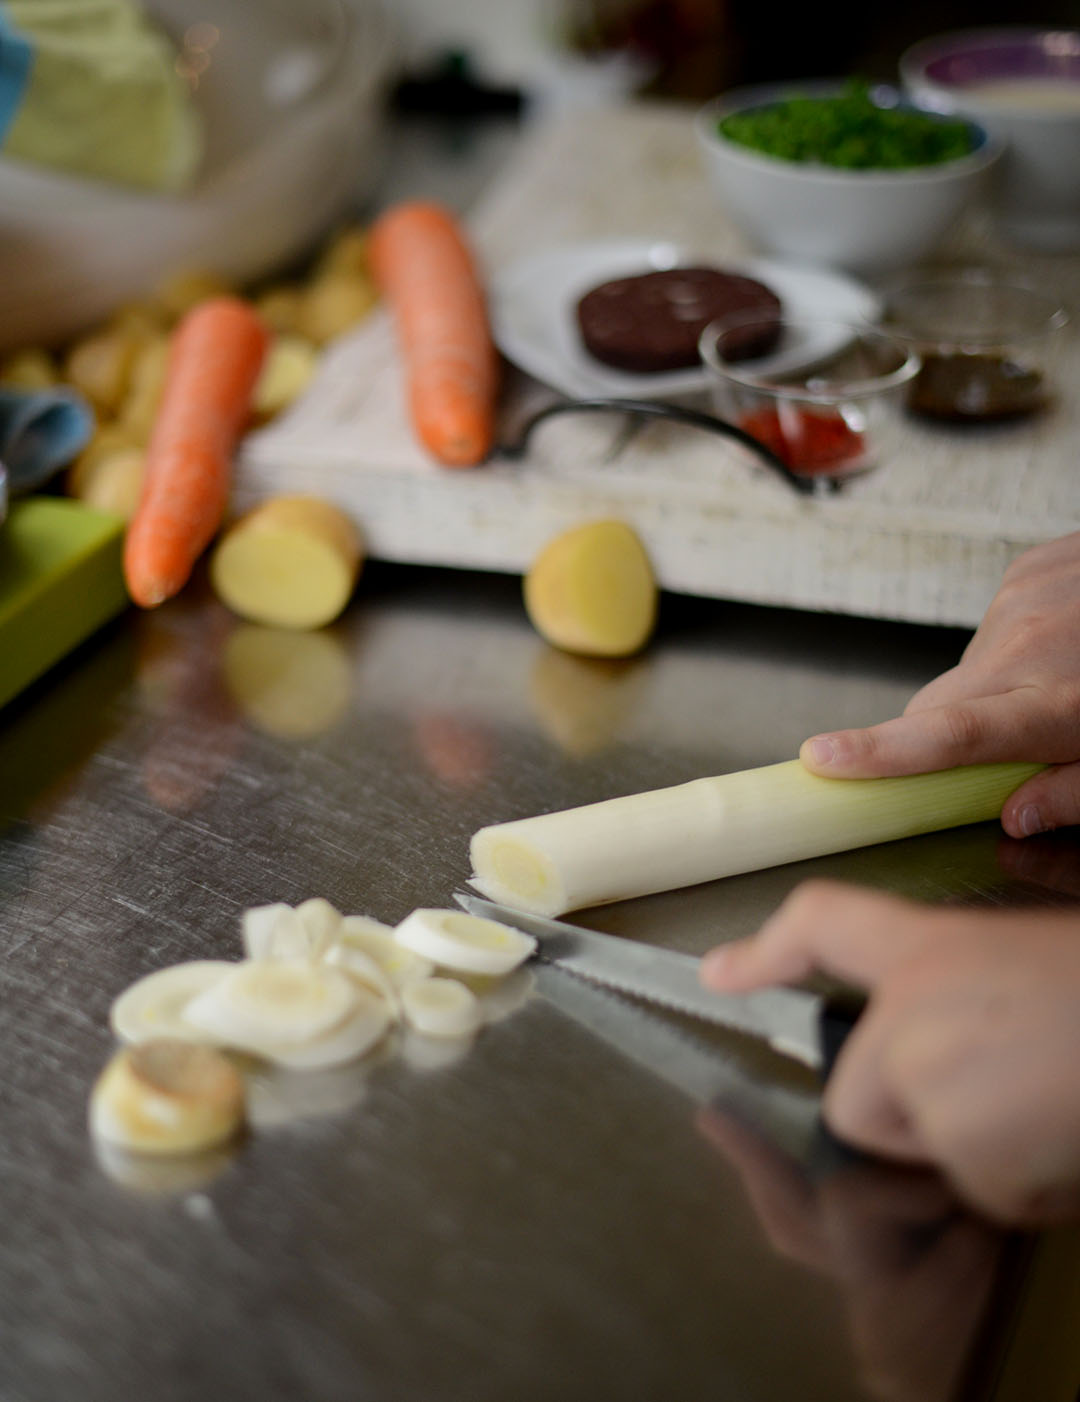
(839,1014)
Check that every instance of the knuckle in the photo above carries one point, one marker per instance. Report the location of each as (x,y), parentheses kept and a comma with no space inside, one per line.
(867,745)
(1024,639)
(963,728)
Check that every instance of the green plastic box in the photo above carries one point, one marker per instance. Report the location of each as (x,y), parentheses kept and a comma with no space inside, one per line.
(61,579)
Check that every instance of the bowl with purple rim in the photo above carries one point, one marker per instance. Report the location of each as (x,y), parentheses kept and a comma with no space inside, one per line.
(1023,85)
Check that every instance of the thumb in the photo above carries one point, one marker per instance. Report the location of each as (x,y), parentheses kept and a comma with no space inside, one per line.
(981,730)
(1050,800)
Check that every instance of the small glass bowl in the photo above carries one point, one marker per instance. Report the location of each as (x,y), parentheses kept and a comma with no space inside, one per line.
(988,345)
(824,395)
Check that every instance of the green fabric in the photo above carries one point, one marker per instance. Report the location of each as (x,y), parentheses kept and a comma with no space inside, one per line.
(104,98)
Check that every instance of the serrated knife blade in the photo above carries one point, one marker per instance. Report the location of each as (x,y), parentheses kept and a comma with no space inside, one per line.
(787,1115)
(794,1022)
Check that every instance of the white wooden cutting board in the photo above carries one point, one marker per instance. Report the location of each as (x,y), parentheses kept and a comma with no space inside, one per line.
(924,538)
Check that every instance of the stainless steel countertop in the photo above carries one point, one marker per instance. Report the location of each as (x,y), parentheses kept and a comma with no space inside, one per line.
(540,1218)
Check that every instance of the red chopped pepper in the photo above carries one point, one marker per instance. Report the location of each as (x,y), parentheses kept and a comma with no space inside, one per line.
(809,441)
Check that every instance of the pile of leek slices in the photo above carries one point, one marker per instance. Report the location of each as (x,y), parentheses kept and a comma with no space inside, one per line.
(316,989)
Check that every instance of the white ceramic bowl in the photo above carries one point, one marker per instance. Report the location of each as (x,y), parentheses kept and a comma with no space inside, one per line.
(864,221)
(292,102)
(1023,86)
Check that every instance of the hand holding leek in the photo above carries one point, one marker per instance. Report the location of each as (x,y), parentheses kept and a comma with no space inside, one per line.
(1015,694)
(966,1055)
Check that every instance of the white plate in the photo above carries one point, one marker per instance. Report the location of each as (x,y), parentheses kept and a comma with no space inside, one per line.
(533,303)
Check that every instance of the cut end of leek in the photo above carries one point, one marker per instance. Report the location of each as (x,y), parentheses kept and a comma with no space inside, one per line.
(167,1097)
(514,872)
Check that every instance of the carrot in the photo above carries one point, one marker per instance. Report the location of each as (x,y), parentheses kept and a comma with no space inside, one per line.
(423,266)
(214,361)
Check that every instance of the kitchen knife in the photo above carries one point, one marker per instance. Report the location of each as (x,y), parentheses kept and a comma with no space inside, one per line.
(786,1114)
(810,1027)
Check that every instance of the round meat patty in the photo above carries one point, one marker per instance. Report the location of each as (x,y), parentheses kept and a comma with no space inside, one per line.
(653,321)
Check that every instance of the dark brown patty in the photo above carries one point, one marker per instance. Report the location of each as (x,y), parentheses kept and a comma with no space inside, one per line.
(652,322)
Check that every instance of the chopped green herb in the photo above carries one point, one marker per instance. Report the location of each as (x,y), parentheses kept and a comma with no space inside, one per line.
(850,131)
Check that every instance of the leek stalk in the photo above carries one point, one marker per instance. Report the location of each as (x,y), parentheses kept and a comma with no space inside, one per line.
(715,827)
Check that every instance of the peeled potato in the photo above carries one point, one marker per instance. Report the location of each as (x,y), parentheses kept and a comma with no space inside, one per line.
(100,366)
(289,366)
(107,442)
(347,252)
(144,318)
(145,383)
(32,368)
(280,308)
(293,562)
(186,288)
(113,482)
(334,303)
(592,591)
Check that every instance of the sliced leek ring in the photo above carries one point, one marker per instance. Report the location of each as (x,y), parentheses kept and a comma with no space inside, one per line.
(163,1175)
(279,932)
(322,924)
(155,1005)
(264,927)
(376,940)
(260,1004)
(441,1007)
(455,940)
(167,1097)
(350,1040)
(371,974)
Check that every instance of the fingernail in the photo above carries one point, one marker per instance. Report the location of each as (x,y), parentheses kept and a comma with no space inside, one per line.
(821,749)
(1030,820)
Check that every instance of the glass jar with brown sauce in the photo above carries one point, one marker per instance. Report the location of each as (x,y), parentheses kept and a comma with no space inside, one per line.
(987,344)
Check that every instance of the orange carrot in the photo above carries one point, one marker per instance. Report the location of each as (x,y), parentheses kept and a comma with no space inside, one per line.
(425,270)
(214,361)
